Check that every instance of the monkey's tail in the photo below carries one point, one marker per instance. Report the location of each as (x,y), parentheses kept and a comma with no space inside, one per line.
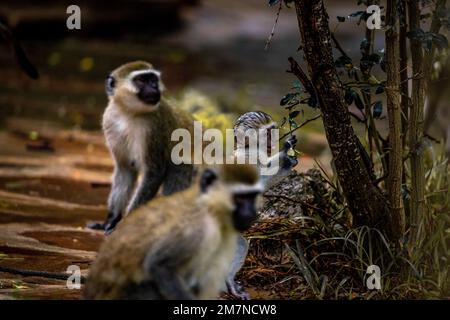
(43,274)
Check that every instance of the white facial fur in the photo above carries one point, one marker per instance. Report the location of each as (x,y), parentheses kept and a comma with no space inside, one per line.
(129,81)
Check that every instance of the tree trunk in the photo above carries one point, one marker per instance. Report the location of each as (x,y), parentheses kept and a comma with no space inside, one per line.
(404,75)
(366,202)
(416,127)
(394,184)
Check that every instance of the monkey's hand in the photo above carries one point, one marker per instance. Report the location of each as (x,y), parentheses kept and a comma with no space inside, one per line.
(236,290)
(290,143)
(96,226)
(288,160)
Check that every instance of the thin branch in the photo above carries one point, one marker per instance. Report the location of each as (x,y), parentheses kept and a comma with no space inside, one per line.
(301,125)
(301,75)
(272,33)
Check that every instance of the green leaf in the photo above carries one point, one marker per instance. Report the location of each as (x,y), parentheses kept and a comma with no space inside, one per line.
(287,98)
(312,102)
(297,85)
(356,14)
(273,2)
(293,123)
(364,45)
(294,114)
(417,34)
(377,109)
(349,96)
(342,61)
(440,41)
(380,89)
(358,102)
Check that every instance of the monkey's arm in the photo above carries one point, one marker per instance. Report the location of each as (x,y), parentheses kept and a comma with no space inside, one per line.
(147,188)
(172,260)
(123,183)
(170,285)
(238,261)
(179,177)
(287,162)
(283,161)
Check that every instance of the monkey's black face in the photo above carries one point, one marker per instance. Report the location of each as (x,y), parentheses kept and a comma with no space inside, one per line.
(245,210)
(148,87)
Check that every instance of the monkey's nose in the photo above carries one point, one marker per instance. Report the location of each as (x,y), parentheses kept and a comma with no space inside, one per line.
(149,96)
(244,216)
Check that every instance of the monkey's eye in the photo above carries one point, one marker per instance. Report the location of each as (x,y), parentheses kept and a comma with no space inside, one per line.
(110,83)
(149,78)
(207,179)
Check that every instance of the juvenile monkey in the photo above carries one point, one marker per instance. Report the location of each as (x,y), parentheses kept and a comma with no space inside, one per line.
(257,120)
(180,246)
(138,124)
(253,122)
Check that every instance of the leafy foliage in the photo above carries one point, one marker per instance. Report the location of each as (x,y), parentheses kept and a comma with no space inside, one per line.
(418,269)
(275,2)
(428,39)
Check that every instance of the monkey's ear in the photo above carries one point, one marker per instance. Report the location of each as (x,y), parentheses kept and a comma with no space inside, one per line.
(207,179)
(110,84)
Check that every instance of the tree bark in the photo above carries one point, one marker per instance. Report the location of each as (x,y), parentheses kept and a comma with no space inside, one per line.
(419,84)
(394,184)
(366,202)
(404,74)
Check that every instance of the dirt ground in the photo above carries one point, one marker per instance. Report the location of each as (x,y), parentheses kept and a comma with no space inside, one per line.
(49,189)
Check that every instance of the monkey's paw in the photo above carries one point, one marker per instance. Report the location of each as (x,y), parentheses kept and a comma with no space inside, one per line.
(96,226)
(290,142)
(236,291)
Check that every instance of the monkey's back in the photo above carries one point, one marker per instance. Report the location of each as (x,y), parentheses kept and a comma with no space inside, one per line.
(119,265)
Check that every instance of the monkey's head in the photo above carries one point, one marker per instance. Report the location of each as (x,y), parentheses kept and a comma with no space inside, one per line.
(254,120)
(135,86)
(230,191)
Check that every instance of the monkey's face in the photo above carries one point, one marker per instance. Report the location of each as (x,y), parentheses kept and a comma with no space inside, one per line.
(262,134)
(244,213)
(147,86)
(136,86)
(233,196)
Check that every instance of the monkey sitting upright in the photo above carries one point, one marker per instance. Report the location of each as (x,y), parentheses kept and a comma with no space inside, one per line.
(258,120)
(138,124)
(180,246)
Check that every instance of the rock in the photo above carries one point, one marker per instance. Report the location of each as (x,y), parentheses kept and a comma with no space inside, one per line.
(295,195)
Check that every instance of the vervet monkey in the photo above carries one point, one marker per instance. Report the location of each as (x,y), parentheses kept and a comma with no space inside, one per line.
(258,120)
(255,121)
(138,124)
(180,246)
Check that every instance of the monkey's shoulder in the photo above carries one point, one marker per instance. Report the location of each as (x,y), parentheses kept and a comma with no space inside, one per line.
(175,117)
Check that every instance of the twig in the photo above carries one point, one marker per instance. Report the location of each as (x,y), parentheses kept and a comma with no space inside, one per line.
(338,46)
(271,195)
(301,125)
(301,75)
(280,196)
(272,33)
(356,117)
